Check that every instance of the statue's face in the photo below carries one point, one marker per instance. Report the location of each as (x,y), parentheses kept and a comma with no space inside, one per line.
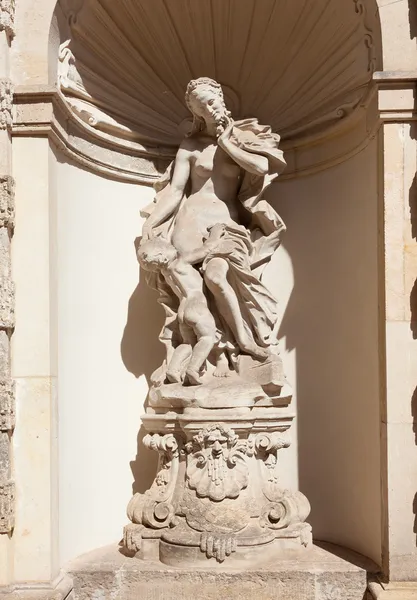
(208,105)
(154,255)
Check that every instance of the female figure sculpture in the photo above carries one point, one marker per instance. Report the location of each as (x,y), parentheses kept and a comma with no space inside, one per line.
(219,177)
(217,494)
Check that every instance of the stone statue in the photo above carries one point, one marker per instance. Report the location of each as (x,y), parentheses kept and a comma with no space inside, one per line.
(217,409)
(218,178)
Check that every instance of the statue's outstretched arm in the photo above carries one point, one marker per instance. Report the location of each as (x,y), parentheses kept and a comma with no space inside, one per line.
(172,197)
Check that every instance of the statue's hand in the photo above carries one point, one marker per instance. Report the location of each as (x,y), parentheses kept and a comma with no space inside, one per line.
(147,232)
(216,234)
(217,231)
(224,137)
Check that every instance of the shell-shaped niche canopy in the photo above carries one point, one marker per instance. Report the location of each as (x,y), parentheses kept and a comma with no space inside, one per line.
(301,66)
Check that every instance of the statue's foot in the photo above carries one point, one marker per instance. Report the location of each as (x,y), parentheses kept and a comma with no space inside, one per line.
(222,371)
(174,376)
(193,377)
(158,376)
(256,351)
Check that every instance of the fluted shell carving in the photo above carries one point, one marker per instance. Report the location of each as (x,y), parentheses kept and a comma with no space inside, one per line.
(300,66)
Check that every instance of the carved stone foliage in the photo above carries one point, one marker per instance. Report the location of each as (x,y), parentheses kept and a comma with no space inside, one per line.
(7,10)
(7,496)
(7,205)
(6,103)
(154,508)
(218,546)
(227,496)
(267,446)
(7,405)
(7,301)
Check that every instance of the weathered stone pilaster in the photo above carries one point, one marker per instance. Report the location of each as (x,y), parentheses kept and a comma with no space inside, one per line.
(7,395)
(7,9)
(6,102)
(6,201)
(398,334)
(7,493)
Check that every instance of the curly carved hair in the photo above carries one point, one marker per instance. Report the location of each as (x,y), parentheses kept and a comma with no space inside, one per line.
(207,84)
(155,253)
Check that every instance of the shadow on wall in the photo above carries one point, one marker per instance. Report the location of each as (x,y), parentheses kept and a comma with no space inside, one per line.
(412,14)
(142,353)
(415,514)
(331,321)
(412,200)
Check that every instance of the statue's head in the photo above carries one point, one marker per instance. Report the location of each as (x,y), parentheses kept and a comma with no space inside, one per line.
(204,98)
(156,254)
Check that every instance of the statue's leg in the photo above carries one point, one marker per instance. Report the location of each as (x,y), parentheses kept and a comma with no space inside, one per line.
(178,363)
(201,320)
(228,305)
(182,354)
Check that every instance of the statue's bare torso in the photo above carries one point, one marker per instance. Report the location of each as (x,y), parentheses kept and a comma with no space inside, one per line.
(214,181)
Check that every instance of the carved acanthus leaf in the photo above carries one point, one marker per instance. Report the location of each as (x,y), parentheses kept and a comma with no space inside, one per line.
(217,546)
(6,103)
(368,38)
(7,506)
(288,508)
(7,405)
(267,446)
(132,537)
(154,508)
(7,301)
(7,204)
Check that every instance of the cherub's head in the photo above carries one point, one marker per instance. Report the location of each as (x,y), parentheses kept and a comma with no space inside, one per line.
(156,254)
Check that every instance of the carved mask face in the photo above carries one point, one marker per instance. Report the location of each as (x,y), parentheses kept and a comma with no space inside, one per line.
(216,442)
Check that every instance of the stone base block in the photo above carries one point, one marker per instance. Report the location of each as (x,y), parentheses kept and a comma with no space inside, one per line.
(61,589)
(393,591)
(317,573)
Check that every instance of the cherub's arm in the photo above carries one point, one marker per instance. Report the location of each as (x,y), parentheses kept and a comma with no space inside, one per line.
(164,209)
(199,254)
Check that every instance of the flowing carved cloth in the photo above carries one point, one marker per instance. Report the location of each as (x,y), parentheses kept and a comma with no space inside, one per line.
(246,250)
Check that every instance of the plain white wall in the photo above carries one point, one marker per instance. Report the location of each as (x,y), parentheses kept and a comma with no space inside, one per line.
(105,354)
(330,328)
(325,277)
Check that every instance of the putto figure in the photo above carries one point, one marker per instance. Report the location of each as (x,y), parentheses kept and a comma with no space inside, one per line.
(196,323)
(217,180)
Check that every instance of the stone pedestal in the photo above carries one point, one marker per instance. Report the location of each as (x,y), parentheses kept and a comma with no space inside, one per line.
(217,496)
(316,573)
